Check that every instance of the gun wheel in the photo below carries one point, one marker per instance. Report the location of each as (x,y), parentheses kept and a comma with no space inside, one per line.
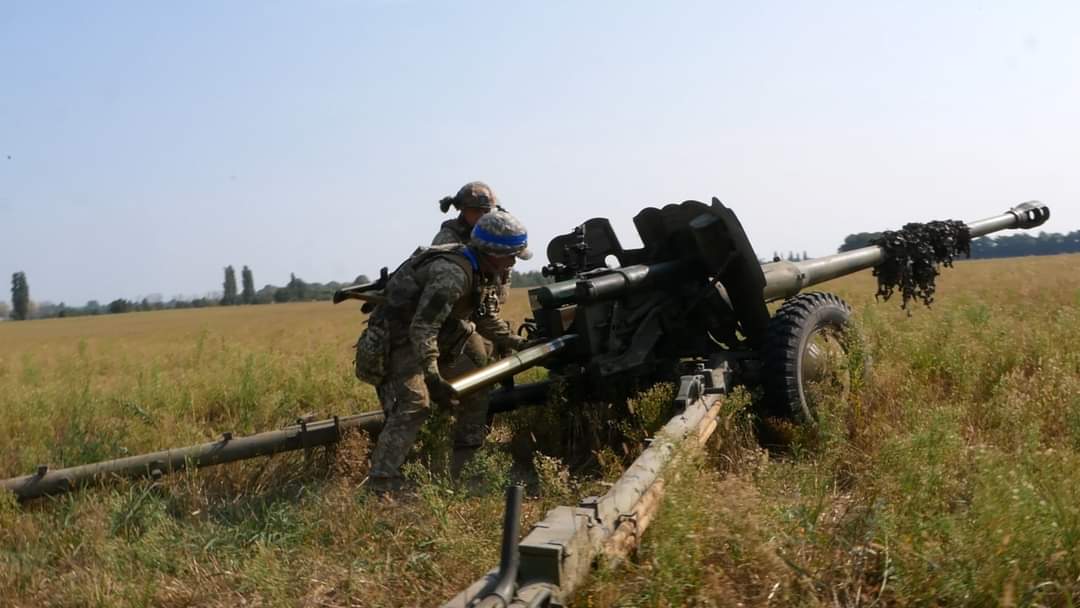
(806,356)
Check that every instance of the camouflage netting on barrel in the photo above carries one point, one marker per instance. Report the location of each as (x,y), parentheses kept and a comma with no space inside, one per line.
(913,255)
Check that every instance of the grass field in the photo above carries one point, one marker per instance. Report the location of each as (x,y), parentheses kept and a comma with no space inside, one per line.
(949,478)
(268,532)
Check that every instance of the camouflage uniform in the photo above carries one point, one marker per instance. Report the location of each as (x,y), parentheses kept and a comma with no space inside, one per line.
(434,306)
(458,231)
(477,195)
(453,232)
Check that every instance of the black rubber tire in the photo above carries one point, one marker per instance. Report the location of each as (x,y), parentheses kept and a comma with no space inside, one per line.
(790,331)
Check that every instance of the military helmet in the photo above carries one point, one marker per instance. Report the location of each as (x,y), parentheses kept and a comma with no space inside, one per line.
(500,234)
(477,195)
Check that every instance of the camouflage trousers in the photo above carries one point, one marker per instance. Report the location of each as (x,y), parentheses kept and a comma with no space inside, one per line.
(406,404)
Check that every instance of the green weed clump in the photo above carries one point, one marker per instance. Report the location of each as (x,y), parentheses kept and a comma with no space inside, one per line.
(589,437)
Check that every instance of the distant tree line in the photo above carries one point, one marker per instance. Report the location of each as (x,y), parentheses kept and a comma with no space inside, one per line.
(1005,246)
(791,257)
(296,290)
(1021,243)
(531,278)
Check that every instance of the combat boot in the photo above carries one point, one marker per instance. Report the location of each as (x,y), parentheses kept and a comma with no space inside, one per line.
(386,486)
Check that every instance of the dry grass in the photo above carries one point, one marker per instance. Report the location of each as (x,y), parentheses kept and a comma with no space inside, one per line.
(278,531)
(949,479)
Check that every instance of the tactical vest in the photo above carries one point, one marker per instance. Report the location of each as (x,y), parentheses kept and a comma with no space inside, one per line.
(388,325)
(492,296)
(404,303)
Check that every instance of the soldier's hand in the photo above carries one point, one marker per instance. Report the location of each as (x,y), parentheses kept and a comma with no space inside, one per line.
(440,390)
(529,343)
(517,342)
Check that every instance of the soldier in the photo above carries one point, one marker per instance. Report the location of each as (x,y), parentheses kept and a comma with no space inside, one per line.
(435,302)
(473,200)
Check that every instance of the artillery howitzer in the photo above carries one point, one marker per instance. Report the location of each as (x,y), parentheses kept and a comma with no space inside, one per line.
(695,297)
(689,306)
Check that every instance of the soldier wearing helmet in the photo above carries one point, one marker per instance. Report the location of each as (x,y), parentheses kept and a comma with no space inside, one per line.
(435,303)
(472,201)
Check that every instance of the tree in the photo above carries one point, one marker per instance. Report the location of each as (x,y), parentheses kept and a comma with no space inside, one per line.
(119,306)
(857,240)
(4,309)
(298,289)
(248,279)
(1024,244)
(20,297)
(43,310)
(229,298)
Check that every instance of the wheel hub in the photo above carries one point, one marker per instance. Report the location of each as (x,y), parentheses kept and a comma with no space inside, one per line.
(824,366)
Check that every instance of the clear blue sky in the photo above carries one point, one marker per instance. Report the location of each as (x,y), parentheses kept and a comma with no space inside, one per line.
(151,143)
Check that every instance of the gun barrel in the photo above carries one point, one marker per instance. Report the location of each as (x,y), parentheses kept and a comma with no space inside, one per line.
(785,279)
(504,368)
(620,281)
(368,292)
(610,283)
(1024,216)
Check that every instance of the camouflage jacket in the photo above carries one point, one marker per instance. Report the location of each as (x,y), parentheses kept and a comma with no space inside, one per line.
(456,231)
(453,232)
(437,298)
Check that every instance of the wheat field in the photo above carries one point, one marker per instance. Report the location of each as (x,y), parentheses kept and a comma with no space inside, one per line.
(949,477)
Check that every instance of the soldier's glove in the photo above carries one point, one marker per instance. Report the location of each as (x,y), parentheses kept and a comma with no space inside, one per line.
(439,389)
(508,346)
(516,343)
(533,342)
